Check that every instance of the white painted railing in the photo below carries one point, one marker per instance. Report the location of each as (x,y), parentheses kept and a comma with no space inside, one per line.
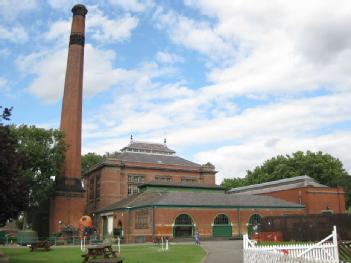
(325,251)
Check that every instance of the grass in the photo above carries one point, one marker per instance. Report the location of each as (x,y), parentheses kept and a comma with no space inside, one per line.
(130,254)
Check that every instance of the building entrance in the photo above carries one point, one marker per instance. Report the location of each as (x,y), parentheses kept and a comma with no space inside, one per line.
(183,226)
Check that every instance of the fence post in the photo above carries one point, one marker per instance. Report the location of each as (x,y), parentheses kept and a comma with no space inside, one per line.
(245,241)
(119,245)
(335,243)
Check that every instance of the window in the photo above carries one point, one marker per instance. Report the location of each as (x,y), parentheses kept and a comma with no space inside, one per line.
(142,219)
(134,178)
(188,179)
(162,178)
(221,220)
(97,186)
(133,181)
(183,219)
(133,189)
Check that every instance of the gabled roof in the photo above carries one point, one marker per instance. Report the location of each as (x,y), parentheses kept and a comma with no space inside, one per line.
(200,200)
(155,158)
(146,147)
(278,185)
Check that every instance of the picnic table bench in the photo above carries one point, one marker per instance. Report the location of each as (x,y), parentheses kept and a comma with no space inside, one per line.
(105,251)
(40,244)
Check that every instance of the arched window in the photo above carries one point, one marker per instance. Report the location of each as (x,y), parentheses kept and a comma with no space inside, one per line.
(254,225)
(255,219)
(183,219)
(221,220)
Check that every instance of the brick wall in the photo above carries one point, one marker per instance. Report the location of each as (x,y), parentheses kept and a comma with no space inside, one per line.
(202,218)
(114,180)
(316,199)
(66,209)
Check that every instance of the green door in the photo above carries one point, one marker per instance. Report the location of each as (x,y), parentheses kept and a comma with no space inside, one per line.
(104,225)
(222,231)
(221,226)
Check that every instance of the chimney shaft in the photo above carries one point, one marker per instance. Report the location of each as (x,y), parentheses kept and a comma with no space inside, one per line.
(71,115)
(68,203)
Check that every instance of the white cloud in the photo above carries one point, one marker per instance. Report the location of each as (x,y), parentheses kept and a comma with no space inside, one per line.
(170,58)
(62,4)
(133,5)
(3,82)
(99,74)
(104,29)
(233,161)
(59,31)
(288,47)
(259,133)
(15,34)
(196,35)
(11,9)
(98,26)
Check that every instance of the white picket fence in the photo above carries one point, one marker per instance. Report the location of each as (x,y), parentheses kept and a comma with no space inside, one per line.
(325,251)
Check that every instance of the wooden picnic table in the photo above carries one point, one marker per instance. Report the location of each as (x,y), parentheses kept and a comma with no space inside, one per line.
(104,251)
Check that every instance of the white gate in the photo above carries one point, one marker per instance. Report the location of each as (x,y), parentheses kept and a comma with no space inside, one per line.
(325,251)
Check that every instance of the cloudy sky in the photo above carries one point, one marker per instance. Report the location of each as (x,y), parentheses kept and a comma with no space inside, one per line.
(230,82)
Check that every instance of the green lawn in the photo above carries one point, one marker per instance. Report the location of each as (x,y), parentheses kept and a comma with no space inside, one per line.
(130,254)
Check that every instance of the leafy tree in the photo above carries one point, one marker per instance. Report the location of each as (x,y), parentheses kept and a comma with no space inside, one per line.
(322,167)
(43,151)
(14,187)
(44,154)
(89,160)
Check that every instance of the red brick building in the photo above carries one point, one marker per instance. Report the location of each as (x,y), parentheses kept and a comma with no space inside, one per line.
(178,209)
(118,177)
(317,198)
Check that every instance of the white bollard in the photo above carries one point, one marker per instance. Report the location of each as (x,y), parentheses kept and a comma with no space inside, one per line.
(119,245)
(82,244)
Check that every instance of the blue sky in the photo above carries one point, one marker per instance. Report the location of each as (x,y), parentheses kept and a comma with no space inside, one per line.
(230,82)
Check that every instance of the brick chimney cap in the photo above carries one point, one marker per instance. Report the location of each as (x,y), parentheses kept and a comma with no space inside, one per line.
(79,10)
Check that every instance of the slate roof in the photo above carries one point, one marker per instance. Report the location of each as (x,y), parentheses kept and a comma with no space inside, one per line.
(146,146)
(278,185)
(181,185)
(155,158)
(199,199)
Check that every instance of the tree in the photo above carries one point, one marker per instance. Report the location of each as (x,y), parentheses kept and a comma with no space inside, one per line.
(89,160)
(44,154)
(43,151)
(14,188)
(324,168)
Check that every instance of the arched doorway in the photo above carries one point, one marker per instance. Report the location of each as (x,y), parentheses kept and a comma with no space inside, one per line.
(118,232)
(183,226)
(254,224)
(221,226)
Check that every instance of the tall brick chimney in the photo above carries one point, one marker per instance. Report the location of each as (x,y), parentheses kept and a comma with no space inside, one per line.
(68,204)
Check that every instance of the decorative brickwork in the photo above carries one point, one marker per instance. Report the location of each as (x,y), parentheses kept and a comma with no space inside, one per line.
(76,39)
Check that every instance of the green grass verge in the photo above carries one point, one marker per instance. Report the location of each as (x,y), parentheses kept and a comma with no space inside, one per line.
(130,254)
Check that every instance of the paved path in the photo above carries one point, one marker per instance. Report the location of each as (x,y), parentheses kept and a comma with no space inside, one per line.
(230,251)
